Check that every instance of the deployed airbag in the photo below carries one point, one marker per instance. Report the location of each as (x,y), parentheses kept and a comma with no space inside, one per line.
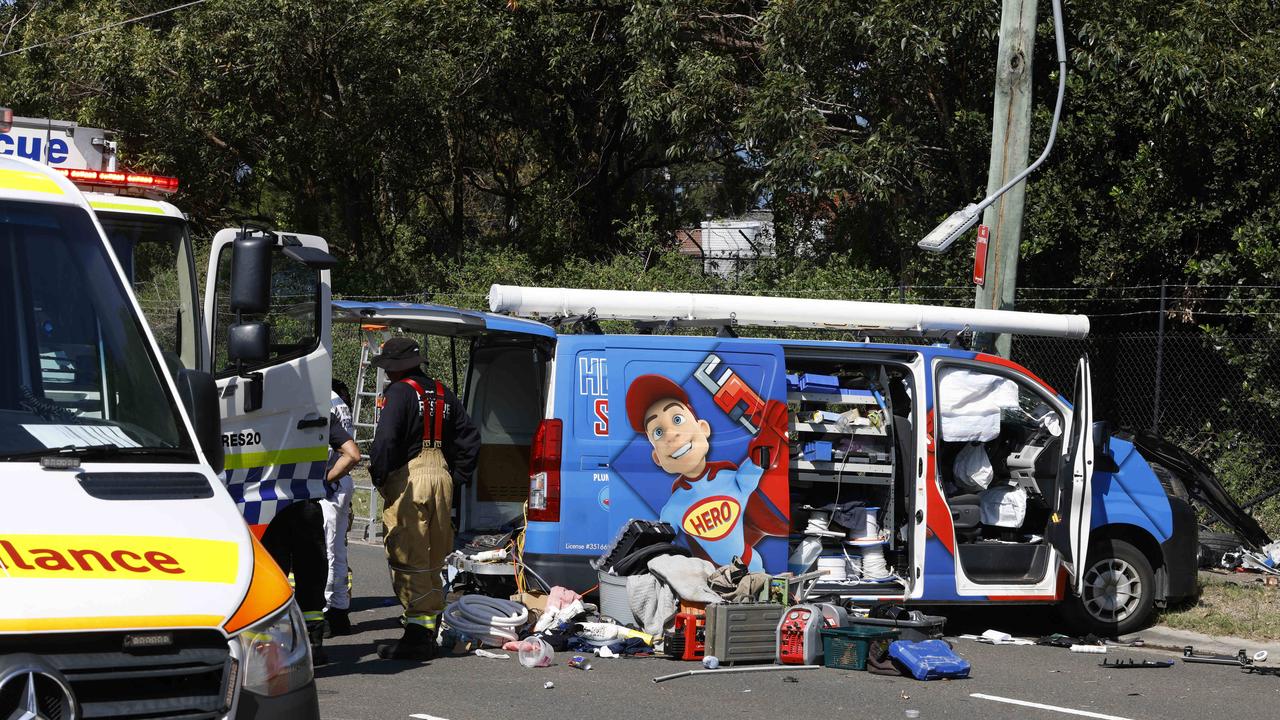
(1003,506)
(972,469)
(971,402)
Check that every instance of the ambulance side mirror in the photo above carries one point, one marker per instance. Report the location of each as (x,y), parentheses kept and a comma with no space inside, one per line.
(199,396)
(251,273)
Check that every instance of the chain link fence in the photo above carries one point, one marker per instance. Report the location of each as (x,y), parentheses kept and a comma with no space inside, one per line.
(1215,396)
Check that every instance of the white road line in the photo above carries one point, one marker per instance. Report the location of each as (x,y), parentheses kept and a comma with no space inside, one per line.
(424,716)
(1054,708)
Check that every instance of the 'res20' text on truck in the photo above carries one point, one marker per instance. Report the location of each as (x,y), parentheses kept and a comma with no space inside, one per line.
(129,583)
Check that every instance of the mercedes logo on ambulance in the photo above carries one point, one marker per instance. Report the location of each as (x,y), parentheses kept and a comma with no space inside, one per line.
(32,690)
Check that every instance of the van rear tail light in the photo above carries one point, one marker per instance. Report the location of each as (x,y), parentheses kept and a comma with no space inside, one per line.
(544,472)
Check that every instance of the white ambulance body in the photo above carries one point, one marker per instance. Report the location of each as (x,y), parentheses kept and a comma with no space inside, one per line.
(129,583)
(274,408)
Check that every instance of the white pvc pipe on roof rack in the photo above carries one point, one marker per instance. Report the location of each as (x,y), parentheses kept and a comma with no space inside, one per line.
(776,311)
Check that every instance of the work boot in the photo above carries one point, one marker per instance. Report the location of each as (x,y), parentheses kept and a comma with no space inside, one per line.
(338,622)
(418,643)
(315,633)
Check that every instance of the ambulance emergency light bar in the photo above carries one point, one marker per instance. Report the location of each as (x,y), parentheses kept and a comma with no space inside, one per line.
(941,238)
(776,312)
(106,178)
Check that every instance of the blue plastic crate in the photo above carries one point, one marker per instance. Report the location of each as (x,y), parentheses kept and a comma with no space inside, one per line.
(929,659)
(810,382)
(817,451)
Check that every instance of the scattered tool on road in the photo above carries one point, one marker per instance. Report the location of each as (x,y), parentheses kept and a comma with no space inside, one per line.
(1241,658)
(1131,663)
(725,671)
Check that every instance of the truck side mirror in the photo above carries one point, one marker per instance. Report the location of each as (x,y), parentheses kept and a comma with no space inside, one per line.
(199,395)
(251,273)
(1103,459)
(249,343)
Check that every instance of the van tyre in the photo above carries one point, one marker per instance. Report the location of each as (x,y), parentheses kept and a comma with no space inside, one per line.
(1119,591)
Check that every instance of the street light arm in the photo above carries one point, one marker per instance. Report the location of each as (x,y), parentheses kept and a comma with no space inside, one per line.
(941,238)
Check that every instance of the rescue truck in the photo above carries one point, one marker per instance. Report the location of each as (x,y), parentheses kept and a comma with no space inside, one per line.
(129,583)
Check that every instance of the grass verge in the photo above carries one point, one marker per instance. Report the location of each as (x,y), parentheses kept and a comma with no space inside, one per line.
(1226,608)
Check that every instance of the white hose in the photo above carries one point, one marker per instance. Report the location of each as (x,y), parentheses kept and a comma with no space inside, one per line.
(874,566)
(487,620)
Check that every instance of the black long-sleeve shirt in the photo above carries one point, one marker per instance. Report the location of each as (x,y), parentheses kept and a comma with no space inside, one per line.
(398,437)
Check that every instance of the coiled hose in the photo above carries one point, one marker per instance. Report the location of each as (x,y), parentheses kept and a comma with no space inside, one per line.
(487,620)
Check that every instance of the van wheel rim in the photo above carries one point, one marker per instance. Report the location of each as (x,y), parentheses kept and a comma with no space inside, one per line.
(1112,590)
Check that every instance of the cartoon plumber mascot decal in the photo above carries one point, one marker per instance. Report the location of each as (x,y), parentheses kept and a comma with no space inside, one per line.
(723,508)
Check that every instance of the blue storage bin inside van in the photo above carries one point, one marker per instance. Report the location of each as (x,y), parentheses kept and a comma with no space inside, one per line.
(810,382)
(793,381)
(817,451)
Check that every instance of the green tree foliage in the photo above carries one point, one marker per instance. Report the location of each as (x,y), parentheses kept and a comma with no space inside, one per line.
(418,132)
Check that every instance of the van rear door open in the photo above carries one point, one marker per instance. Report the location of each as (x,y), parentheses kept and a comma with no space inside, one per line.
(697,437)
(504,392)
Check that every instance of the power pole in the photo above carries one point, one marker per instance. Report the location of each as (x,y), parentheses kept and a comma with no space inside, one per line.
(1010,134)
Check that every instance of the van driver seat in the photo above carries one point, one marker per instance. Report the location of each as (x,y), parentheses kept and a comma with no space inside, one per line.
(966,515)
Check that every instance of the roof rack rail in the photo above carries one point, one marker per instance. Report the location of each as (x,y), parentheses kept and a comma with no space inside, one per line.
(688,309)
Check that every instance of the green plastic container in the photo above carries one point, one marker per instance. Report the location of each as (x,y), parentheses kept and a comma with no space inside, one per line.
(846,648)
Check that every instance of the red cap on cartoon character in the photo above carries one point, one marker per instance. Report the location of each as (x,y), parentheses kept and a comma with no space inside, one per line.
(647,390)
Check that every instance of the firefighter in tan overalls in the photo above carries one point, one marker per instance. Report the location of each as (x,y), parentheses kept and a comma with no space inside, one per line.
(424,445)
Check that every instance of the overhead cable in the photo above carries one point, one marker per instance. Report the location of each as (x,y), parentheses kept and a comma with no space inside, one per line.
(108,26)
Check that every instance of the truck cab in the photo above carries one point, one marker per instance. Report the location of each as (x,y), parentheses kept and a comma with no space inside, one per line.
(129,583)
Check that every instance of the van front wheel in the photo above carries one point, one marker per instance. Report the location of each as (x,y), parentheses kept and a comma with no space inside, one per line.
(1119,591)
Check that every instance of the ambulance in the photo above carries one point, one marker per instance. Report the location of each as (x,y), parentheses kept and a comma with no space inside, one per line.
(274,403)
(130,584)
(969,479)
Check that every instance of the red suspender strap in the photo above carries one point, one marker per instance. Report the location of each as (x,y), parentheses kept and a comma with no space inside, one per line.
(432,412)
(438,413)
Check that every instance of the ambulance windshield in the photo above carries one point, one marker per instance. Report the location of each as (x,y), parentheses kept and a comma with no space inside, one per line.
(75,369)
(156,256)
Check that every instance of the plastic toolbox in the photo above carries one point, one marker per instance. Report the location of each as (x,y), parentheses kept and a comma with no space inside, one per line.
(743,632)
(634,535)
(847,648)
(929,660)
(928,627)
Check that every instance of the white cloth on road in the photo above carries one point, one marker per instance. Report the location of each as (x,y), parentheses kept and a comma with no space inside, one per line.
(687,576)
(653,603)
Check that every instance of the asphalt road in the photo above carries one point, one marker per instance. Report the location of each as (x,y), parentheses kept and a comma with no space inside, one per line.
(358,685)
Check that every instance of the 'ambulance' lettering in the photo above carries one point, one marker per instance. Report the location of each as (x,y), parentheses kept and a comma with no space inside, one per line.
(89,560)
(713,518)
(117,558)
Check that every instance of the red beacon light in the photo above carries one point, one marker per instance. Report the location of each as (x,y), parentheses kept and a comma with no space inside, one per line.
(113,179)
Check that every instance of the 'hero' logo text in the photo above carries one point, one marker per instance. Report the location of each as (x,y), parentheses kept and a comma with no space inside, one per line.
(712,518)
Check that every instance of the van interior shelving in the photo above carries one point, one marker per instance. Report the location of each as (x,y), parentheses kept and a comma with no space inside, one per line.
(845,415)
